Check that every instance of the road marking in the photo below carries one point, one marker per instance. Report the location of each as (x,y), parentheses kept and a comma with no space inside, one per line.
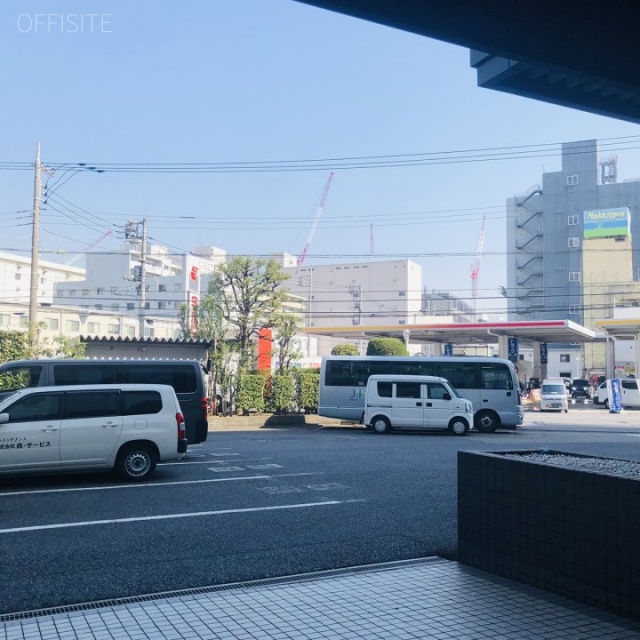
(262,467)
(279,490)
(188,460)
(329,486)
(175,516)
(225,469)
(155,484)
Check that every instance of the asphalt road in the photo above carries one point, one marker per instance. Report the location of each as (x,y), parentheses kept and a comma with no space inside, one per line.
(253,504)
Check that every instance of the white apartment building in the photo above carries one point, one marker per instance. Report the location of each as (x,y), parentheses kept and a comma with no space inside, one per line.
(113,281)
(104,299)
(75,321)
(15,278)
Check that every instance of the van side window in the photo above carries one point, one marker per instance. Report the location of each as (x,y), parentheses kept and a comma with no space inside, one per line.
(17,378)
(407,390)
(385,389)
(137,403)
(91,404)
(87,373)
(436,391)
(181,377)
(36,407)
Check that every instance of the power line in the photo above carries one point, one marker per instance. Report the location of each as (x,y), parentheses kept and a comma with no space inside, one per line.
(459,156)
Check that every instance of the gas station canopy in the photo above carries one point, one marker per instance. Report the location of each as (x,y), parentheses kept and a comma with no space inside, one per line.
(549,331)
(626,328)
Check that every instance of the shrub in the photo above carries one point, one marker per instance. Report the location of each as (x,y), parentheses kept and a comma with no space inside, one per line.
(283,393)
(346,349)
(250,392)
(308,390)
(386,347)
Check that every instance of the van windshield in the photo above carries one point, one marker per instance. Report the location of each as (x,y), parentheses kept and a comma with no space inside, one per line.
(554,389)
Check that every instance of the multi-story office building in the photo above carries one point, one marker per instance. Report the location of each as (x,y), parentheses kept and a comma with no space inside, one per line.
(545,233)
(389,292)
(570,251)
(359,293)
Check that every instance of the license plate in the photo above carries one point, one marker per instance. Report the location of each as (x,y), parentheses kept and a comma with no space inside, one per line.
(554,405)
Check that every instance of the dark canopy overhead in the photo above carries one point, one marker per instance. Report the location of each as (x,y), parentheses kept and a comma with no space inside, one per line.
(576,54)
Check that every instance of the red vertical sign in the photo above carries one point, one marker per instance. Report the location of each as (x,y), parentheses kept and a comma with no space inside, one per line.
(264,349)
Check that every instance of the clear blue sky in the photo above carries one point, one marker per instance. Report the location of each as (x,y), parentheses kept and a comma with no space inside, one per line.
(220,81)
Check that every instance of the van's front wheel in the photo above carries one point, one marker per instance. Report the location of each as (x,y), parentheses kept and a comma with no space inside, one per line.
(381,424)
(458,426)
(136,462)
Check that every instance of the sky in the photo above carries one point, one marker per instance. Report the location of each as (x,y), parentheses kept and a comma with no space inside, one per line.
(249,105)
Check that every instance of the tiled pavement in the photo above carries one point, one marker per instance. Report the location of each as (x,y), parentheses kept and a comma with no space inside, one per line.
(430,598)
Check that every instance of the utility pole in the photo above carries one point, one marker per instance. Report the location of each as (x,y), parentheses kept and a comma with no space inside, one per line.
(143,292)
(356,293)
(35,253)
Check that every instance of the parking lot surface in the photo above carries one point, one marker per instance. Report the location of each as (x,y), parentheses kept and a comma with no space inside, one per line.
(259,504)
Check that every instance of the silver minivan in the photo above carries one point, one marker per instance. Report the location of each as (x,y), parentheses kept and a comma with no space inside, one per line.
(553,395)
(415,402)
(128,428)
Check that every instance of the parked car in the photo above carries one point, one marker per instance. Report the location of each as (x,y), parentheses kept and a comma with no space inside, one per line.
(600,394)
(128,428)
(185,376)
(553,395)
(630,388)
(415,402)
(581,388)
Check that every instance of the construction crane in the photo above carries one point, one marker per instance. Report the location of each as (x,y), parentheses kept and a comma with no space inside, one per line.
(314,226)
(89,246)
(475,267)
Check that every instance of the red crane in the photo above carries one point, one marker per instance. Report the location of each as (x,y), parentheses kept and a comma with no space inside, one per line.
(95,243)
(303,255)
(475,267)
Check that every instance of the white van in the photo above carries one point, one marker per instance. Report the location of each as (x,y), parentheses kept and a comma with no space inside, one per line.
(128,428)
(553,395)
(630,388)
(415,402)
(187,377)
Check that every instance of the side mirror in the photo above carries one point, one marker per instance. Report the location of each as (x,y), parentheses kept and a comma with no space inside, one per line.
(446,396)
(4,418)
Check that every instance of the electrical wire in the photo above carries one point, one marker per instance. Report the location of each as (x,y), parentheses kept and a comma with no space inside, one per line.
(459,156)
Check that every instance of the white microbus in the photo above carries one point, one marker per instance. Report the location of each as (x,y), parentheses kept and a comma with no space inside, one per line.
(490,384)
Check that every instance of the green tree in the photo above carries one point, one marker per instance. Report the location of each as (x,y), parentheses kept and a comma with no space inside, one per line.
(346,349)
(66,347)
(386,347)
(249,294)
(210,325)
(14,345)
(286,327)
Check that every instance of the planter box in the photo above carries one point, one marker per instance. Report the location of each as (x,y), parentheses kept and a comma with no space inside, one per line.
(571,531)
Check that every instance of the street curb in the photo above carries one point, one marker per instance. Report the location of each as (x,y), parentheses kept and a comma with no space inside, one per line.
(272,421)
